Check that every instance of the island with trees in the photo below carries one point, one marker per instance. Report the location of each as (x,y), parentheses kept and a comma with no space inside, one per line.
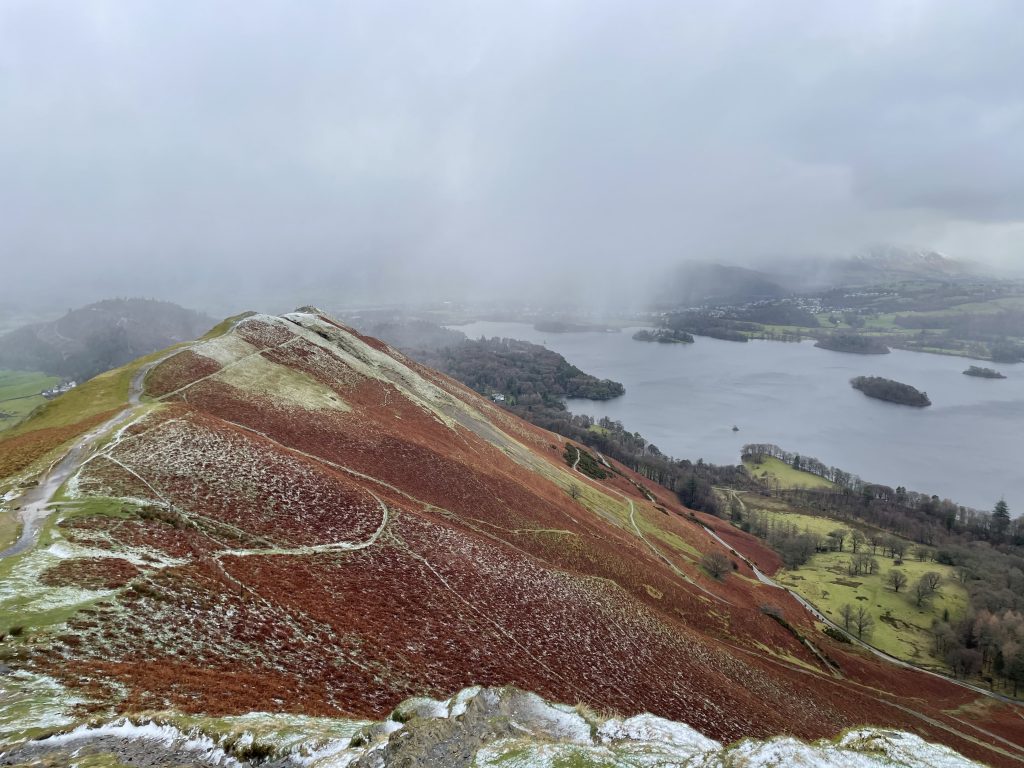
(853,343)
(890,391)
(984,373)
(664,336)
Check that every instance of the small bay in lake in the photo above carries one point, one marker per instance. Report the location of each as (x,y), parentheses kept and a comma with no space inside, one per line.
(685,398)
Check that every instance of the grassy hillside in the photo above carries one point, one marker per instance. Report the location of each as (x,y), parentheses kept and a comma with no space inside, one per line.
(37,439)
(901,628)
(772,469)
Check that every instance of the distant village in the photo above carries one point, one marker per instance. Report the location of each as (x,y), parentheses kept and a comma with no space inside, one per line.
(60,389)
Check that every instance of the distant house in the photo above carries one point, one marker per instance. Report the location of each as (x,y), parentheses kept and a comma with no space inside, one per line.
(498,398)
(60,389)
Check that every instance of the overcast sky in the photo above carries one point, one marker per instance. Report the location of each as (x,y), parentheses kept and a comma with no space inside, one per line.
(372,150)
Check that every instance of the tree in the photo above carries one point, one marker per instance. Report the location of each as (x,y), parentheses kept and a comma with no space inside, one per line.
(716,564)
(1014,668)
(735,509)
(574,490)
(933,580)
(1000,517)
(896,579)
(924,588)
(863,622)
(837,536)
(857,539)
(846,612)
(964,661)
(898,547)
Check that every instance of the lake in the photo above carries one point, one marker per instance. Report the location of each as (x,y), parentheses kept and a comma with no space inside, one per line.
(685,398)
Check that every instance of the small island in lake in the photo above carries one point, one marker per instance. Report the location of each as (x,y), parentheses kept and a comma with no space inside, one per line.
(890,391)
(664,336)
(984,373)
(853,343)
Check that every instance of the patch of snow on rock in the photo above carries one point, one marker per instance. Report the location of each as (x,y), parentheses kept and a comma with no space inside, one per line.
(154,733)
(564,724)
(649,728)
(904,748)
(457,704)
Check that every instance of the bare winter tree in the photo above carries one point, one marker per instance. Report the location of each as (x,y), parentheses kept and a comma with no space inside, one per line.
(846,613)
(863,622)
(924,589)
(896,579)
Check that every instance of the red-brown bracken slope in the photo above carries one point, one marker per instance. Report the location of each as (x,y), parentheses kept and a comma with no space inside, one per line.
(334,528)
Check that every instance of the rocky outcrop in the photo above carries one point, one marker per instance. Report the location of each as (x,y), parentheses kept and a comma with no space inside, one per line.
(485,727)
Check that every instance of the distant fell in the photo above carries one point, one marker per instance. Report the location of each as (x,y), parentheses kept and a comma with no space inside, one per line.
(701,284)
(100,336)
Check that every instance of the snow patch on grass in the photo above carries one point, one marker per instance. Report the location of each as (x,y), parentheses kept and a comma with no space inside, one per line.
(33,704)
(25,599)
(23,596)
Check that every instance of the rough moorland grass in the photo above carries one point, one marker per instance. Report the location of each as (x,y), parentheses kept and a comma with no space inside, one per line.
(787,477)
(901,628)
(28,452)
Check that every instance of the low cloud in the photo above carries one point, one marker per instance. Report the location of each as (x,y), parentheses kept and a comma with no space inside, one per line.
(371,152)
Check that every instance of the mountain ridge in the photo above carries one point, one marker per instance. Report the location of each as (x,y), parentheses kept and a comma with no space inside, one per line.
(302,519)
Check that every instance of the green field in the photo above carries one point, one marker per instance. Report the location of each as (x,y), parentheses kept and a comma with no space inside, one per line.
(786,476)
(780,512)
(901,628)
(19,394)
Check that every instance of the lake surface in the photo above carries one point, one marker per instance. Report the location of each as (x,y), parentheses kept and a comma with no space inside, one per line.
(685,398)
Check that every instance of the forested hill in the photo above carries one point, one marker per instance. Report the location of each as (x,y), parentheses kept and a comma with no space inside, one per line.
(98,337)
(517,370)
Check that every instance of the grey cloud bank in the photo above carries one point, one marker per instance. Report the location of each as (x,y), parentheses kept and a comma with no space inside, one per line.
(375,151)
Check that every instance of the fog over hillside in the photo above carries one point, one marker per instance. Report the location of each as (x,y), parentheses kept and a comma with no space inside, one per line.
(233,154)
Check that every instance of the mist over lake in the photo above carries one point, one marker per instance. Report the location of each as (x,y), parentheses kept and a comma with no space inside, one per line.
(685,398)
